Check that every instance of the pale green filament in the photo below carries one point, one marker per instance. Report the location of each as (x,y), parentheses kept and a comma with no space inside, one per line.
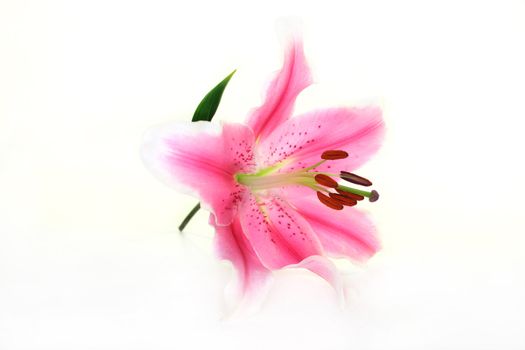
(315,165)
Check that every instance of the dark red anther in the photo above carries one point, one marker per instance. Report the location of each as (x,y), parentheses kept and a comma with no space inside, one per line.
(334,154)
(356,179)
(329,202)
(325,180)
(357,197)
(344,200)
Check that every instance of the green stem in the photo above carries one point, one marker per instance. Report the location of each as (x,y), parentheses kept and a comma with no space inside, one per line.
(189,217)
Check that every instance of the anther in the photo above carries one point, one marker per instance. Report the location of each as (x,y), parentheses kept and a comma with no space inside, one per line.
(329,202)
(334,154)
(344,200)
(354,196)
(325,180)
(356,179)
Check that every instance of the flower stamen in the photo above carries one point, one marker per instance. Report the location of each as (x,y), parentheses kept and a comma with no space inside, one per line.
(321,182)
(344,200)
(329,202)
(349,195)
(315,165)
(326,181)
(334,154)
(356,179)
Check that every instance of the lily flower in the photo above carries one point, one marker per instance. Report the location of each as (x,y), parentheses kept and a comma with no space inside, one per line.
(278,188)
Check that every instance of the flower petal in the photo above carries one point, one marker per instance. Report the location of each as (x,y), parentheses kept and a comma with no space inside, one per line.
(348,234)
(201,158)
(293,77)
(231,244)
(278,235)
(301,141)
(325,268)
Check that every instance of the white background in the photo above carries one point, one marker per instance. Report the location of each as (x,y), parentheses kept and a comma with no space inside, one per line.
(89,253)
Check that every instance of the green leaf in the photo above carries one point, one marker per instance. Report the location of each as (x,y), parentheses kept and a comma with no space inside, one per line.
(205,111)
(208,106)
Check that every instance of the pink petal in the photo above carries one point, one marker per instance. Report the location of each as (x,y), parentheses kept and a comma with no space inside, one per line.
(325,268)
(201,158)
(282,92)
(231,244)
(301,140)
(348,233)
(278,235)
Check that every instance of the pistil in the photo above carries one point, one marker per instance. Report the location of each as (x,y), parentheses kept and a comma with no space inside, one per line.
(372,195)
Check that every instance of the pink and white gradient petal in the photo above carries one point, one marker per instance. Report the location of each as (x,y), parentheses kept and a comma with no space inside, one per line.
(278,235)
(201,158)
(326,269)
(300,141)
(231,244)
(277,107)
(343,235)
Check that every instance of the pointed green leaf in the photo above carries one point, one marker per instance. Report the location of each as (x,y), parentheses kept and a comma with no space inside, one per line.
(205,111)
(208,106)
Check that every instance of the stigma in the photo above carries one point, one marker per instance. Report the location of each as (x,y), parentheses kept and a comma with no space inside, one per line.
(331,189)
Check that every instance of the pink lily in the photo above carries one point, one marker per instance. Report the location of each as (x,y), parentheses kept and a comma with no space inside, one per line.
(268,183)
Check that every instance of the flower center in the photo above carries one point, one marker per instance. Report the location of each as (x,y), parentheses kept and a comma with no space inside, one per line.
(329,192)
